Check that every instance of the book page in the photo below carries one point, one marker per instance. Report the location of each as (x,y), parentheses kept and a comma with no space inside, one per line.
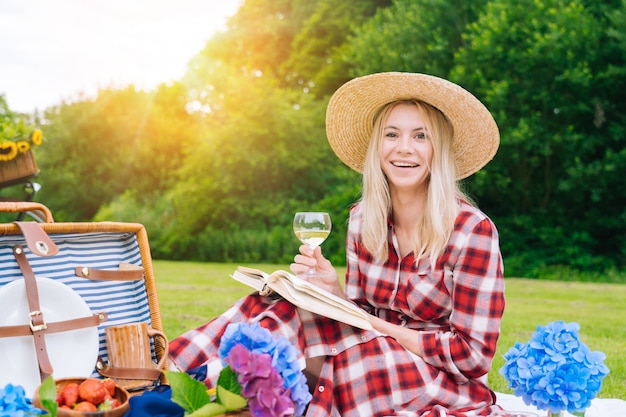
(254,278)
(305,295)
(319,301)
(303,286)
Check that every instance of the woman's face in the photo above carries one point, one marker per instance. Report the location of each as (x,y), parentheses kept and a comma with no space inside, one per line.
(406,150)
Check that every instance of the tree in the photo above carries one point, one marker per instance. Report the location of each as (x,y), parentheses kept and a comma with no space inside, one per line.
(412,36)
(122,140)
(216,165)
(249,171)
(315,64)
(532,62)
(257,41)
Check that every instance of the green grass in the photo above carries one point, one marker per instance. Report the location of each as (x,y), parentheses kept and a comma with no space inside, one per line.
(191,293)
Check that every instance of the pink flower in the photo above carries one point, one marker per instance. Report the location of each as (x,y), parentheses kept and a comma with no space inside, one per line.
(269,401)
(248,365)
(266,369)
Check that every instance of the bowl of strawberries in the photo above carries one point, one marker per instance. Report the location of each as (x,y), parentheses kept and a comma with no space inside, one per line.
(89,397)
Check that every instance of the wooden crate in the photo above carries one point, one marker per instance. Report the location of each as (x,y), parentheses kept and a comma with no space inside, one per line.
(18,169)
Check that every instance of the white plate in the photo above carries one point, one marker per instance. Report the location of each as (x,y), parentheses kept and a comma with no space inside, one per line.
(72,353)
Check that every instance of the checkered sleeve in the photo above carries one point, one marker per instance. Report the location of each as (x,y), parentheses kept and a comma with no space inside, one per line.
(467,349)
(199,347)
(354,289)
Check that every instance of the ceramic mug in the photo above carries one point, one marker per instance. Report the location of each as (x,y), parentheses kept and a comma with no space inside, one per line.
(129,346)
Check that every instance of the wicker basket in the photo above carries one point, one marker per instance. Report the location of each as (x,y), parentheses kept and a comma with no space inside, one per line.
(18,169)
(86,244)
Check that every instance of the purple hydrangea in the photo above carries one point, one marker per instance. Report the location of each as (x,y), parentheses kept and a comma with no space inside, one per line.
(248,365)
(268,396)
(554,370)
(267,369)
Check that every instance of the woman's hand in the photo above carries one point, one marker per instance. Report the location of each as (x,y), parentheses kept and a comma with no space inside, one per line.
(404,336)
(324,275)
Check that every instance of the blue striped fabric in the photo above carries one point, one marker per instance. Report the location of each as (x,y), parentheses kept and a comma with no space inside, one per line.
(123,301)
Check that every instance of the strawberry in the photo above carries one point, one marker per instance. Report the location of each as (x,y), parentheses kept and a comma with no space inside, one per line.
(109,404)
(59,396)
(70,394)
(92,390)
(109,384)
(59,399)
(85,406)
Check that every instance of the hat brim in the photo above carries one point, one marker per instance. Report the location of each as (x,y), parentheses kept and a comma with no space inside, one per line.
(351,110)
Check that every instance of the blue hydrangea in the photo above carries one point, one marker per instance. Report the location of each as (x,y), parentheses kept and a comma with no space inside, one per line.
(554,370)
(13,402)
(254,337)
(284,355)
(285,360)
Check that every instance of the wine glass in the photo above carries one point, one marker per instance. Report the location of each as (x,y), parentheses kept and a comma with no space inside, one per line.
(312,228)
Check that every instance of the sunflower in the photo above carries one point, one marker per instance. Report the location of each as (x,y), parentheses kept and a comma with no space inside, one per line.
(36,137)
(17,143)
(22,146)
(8,150)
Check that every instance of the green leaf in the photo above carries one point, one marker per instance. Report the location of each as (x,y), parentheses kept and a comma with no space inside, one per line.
(209,410)
(230,400)
(187,392)
(228,380)
(47,396)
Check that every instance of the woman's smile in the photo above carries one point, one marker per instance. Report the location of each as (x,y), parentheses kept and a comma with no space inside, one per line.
(406,150)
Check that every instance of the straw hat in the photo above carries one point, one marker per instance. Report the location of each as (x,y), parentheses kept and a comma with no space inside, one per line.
(351,110)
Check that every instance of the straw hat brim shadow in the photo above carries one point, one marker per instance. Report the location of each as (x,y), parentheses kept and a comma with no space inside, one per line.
(351,110)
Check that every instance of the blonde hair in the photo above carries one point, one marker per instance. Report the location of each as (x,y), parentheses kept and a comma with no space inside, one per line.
(435,227)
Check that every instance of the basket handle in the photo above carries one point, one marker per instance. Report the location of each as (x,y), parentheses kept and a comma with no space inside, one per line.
(22,206)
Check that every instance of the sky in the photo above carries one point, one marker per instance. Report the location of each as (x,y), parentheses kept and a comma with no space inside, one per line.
(55,50)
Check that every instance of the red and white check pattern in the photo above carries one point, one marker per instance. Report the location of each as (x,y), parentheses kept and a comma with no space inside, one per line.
(456,308)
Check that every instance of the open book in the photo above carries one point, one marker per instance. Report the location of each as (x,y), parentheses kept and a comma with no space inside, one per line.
(304,295)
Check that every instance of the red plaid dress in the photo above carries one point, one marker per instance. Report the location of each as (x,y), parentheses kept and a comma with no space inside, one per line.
(457,308)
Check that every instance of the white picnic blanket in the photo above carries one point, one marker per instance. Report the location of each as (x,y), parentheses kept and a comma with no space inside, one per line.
(600,407)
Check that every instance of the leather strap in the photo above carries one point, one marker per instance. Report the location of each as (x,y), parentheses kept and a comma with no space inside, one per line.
(55,327)
(127,373)
(109,275)
(37,322)
(37,239)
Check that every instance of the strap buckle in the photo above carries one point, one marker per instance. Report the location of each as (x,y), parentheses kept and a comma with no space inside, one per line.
(36,327)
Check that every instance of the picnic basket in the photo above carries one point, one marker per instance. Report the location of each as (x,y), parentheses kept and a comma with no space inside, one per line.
(91,259)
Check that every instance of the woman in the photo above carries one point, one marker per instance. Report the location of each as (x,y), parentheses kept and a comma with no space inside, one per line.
(421,260)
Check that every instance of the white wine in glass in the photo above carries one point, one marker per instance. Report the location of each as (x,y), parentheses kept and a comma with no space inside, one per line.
(313,238)
(312,228)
